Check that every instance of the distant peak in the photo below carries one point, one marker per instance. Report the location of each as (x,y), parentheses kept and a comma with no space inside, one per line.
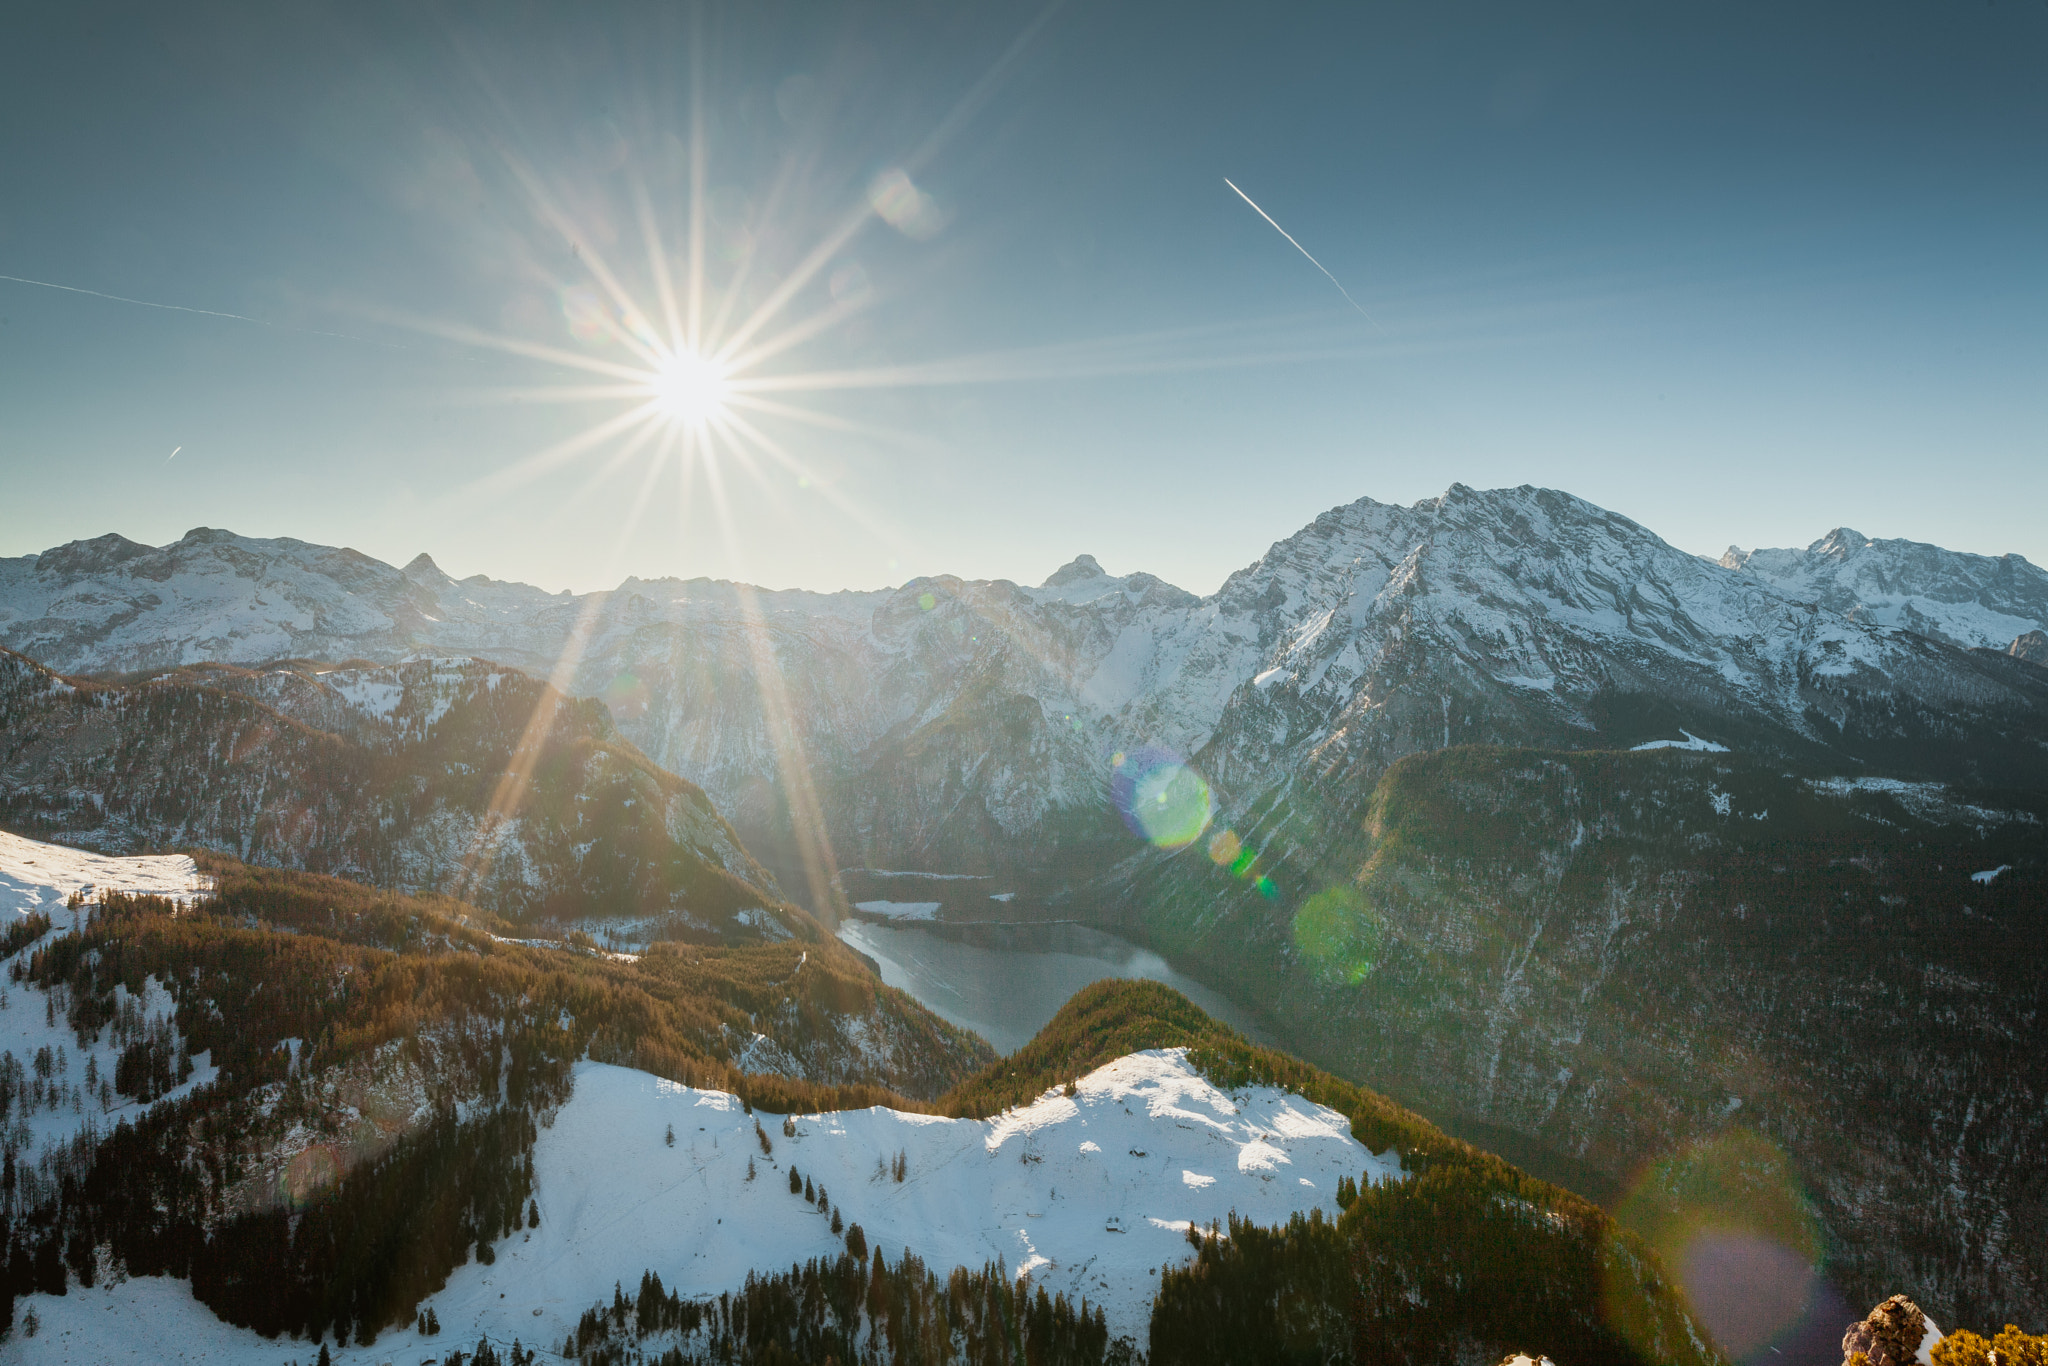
(422,567)
(1076,570)
(1734,557)
(1840,541)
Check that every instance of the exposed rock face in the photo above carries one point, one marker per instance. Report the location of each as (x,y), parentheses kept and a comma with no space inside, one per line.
(2032,647)
(1890,1336)
(455,776)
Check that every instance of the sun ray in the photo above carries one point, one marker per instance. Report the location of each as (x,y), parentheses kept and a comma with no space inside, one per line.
(639,341)
(657,265)
(834,422)
(866,520)
(820,257)
(796,334)
(526,470)
(694,337)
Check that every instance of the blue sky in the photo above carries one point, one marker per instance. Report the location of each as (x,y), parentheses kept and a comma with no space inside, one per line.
(1742,272)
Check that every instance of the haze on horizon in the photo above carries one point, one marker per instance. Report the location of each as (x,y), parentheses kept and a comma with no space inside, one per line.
(1743,276)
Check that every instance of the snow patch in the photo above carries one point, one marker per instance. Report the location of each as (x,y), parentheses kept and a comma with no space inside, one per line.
(1990,875)
(1690,742)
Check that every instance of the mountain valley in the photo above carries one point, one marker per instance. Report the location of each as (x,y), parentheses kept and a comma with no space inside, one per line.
(1639,868)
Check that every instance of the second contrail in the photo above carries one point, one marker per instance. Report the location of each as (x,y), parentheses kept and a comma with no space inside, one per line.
(1304,251)
(202,312)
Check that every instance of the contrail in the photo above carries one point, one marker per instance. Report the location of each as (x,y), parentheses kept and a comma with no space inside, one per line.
(203,312)
(172,456)
(1304,251)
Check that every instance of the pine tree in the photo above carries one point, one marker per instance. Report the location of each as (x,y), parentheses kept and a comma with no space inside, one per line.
(796,1183)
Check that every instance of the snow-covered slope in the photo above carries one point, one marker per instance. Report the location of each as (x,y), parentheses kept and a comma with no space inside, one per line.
(52,1089)
(1969,600)
(35,876)
(1089,1195)
(975,725)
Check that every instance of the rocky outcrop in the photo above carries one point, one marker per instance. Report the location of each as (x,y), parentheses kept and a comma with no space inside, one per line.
(1895,1333)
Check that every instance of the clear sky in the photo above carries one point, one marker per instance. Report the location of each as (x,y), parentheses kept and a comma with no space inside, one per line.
(1743,272)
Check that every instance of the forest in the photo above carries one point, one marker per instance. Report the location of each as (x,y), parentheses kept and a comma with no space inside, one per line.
(297,986)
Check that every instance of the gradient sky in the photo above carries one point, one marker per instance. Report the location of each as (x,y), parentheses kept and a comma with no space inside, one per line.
(1741,272)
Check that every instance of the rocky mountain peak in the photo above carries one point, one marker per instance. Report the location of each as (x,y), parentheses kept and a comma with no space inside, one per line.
(1840,543)
(1077,570)
(421,569)
(79,559)
(2032,647)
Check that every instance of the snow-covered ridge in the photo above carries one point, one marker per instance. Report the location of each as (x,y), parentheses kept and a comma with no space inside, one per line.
(1089,1195)
(1978,601)
(952,722)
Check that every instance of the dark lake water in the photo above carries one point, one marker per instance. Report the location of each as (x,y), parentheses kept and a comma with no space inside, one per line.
(1005,982)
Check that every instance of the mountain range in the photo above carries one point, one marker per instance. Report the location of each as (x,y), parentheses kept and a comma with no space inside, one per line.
(1592,849)
(974,725)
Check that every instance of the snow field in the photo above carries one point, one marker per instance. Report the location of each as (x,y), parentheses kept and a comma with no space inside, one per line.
(35,876)
(1089,1195)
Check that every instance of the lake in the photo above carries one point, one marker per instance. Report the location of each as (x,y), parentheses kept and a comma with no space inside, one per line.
(1005,982)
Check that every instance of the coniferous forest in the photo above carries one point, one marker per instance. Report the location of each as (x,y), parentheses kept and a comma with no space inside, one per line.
(290,985)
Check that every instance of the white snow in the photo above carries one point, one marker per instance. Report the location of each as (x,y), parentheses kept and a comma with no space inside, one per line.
(1990,875)
(1691,742)
(1089,1194)
(35,876)
(1933,1335)
(900,910)
(1002,896)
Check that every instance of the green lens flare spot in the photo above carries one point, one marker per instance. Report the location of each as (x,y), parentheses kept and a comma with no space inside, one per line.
(1339,933)
(927,601)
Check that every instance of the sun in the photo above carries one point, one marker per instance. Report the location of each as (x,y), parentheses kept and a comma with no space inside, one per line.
(689,388)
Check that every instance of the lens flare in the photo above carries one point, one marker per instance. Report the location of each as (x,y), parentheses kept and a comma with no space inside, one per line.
(1338,932)
(1162,800)
(627,697)
(1729,1220)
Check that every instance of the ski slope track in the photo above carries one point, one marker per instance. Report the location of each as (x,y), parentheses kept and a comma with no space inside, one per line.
(1088,1195)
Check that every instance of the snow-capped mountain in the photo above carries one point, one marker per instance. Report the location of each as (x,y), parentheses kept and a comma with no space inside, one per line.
(978,724)
(1971,600)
